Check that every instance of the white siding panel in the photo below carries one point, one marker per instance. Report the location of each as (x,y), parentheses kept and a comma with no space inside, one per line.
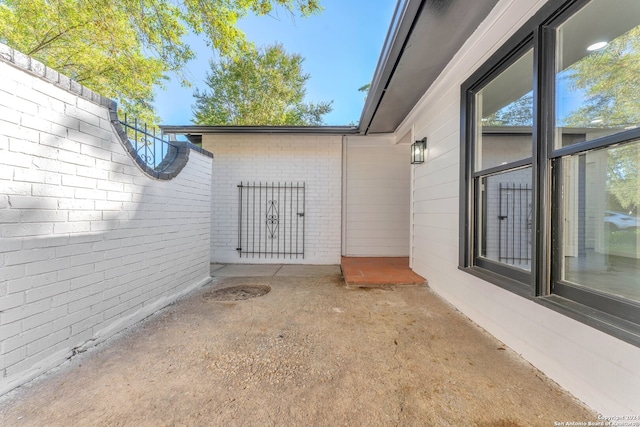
(597,368)
(376,200)
(395,226)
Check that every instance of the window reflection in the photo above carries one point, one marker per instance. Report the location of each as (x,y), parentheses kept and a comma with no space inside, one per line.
(600,241)
(506,216)
(599,72)
(505,116)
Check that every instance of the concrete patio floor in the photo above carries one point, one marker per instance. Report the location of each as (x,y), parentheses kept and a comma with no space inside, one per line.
(312,351)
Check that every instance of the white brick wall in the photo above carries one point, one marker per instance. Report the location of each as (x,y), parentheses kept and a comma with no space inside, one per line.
(316,160)
(597,368)
(88,244)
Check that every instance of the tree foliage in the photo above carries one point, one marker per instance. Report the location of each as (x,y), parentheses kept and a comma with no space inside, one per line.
(365,88)
(623,180)
(609,80)
(261,87)
(122,49)
(518,113)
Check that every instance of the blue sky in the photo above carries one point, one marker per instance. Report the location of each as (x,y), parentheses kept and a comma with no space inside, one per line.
(341,48)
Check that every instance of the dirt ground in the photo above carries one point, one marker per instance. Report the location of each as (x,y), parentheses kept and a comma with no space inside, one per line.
(311,352)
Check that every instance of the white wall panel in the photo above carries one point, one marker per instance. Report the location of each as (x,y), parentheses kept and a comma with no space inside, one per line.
(376,197)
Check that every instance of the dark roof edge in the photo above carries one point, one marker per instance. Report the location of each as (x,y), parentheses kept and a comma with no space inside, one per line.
(401,24)
(299,130)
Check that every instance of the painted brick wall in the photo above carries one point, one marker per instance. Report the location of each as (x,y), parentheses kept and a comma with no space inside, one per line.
(89,245)
(316,160)
(597,368)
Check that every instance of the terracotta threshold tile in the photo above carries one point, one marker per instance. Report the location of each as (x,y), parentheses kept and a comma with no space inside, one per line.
(379,271)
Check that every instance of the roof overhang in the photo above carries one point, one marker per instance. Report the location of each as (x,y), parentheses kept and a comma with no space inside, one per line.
(423,37)
(194,132)
(301,130)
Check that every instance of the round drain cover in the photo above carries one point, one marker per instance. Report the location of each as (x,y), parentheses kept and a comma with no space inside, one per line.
(237,293)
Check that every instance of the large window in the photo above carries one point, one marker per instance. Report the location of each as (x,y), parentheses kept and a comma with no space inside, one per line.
(551,147)
(502,176)
(598,247)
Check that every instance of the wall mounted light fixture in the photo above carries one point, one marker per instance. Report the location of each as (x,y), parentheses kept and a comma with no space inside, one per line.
(418,151)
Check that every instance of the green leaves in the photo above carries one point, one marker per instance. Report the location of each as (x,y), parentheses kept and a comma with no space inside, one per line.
(122,49)
(260,87)
(623,179)
(609,79)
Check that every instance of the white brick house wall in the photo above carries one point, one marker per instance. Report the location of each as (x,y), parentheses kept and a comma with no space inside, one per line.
(314,160)
(88,243)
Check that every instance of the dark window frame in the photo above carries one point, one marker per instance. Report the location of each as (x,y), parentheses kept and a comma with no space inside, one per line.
(615,316)
(469,259)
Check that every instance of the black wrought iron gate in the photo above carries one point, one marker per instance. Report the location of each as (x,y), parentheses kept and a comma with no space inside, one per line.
(271,219)
(515,221)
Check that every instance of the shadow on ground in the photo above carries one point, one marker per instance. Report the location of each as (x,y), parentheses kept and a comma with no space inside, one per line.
(309,352)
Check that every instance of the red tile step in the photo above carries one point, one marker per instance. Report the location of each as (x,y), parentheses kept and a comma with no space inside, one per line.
(379,271)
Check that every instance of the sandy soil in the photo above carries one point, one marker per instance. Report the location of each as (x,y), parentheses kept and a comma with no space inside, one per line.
(311,352)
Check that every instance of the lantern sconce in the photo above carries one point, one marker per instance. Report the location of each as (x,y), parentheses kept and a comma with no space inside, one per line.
(418,151)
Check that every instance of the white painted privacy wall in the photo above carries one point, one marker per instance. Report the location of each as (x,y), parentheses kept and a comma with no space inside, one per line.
(598,369)
(313,159)
(89,245)
(376,197)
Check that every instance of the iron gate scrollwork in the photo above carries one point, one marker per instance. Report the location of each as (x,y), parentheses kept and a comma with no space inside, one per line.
(271,219)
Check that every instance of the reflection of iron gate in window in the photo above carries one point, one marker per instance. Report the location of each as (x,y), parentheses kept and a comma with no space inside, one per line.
(514,232)
(271,219)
